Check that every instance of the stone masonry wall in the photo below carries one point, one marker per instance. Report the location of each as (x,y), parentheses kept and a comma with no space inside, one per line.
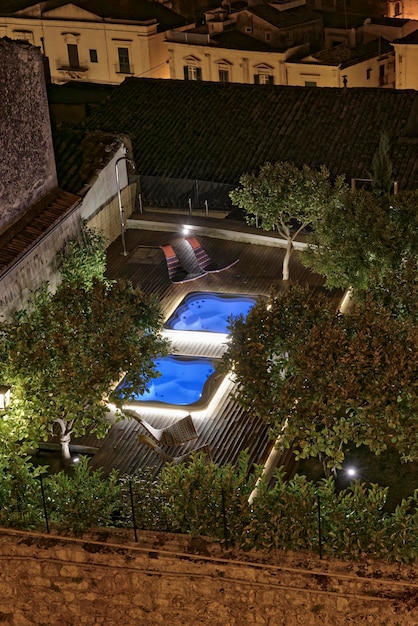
(177,580)
(27,164)
(39,265)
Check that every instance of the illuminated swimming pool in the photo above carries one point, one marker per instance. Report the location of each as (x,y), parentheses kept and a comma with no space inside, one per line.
(184,382)
(209,312)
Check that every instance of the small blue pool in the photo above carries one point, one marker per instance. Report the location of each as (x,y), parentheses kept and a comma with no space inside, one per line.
(209,312)
(184,381)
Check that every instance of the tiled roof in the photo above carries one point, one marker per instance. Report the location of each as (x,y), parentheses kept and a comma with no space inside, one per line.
(345,56)
(412,38)
(137,10)
(340,19)
(214,131)
(234,39)
(283,19)
(32,226)
(396,22)
(80,155)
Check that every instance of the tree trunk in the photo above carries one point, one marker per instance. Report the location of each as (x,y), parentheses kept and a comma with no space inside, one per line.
(286,260)
(65,448)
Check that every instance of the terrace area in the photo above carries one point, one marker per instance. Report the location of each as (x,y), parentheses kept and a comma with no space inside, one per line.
(224,426)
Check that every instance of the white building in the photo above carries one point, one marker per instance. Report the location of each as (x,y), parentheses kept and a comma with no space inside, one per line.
(83,42)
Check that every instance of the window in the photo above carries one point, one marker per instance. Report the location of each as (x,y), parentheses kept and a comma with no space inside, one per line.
(93,56)
(124,64)
(223,75)
(368,72)
(310,83)
(382,77)
(397,8)
(192,72)
(263,79)
(24,35)
(73,60)
(268,36)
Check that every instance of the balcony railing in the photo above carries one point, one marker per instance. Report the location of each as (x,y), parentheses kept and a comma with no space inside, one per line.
(66,67)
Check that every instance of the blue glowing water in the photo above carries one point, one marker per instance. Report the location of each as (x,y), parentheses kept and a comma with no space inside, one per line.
(181,382)
(209,312)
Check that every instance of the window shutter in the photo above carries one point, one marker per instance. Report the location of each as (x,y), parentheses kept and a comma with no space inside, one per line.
(186,72)
(256,79)
(271,80)
(198,73)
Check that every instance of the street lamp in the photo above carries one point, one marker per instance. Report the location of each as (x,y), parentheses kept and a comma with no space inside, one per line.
(121,209)
(4,397)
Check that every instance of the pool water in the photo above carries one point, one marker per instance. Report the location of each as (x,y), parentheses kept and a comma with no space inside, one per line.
(209,312)
(184,381)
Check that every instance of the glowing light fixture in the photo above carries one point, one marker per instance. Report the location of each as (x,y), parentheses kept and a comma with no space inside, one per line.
(351,471)
(4,396)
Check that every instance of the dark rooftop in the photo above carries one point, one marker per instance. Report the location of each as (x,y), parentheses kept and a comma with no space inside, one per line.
(131,10)
(412,38)
(396,22)
(237,40)
(345,56)
(284,19)
(33,225)
(81,155)
(216,132)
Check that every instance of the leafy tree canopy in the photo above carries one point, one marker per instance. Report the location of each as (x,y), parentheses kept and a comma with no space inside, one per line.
(324,379)
(64,353)
(283,197)
(370,244)
(83,260)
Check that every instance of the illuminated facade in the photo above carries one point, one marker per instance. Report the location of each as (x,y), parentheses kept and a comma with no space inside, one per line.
(81,45)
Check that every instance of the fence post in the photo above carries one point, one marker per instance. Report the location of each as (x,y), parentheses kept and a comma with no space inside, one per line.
(197,193)
(190,206)
(206,208)
(44,503)
(224,518)
(319,527)
(140,203)
(131,495)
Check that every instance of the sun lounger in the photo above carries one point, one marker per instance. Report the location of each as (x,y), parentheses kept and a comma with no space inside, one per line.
(167,457)
(176,271)
(204,260)
(180,432)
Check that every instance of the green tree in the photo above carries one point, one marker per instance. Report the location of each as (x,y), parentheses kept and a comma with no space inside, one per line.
(65,352)
(204,498)
(324,380)
(83,260)
(283,197)
(371,245)
(382,170)
(82,499)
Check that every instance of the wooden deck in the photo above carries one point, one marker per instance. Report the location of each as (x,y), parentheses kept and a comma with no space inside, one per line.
(228,429)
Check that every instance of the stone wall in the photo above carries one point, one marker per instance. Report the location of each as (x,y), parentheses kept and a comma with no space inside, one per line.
(37,266)
(27,165)
(177,580)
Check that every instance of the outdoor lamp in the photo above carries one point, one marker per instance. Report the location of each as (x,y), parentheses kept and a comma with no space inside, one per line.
(351,471)
(4,397)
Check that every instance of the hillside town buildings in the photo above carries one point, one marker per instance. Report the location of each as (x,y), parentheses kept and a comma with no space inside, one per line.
(283,42)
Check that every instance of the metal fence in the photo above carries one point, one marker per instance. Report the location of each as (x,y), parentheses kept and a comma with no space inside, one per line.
(184,193)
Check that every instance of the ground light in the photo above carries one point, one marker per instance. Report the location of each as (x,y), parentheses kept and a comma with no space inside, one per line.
(351,472)
(4,397)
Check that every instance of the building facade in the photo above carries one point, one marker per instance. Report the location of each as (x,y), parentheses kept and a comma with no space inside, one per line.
(85,45)
(367,65)
(402,8)
(406,58)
